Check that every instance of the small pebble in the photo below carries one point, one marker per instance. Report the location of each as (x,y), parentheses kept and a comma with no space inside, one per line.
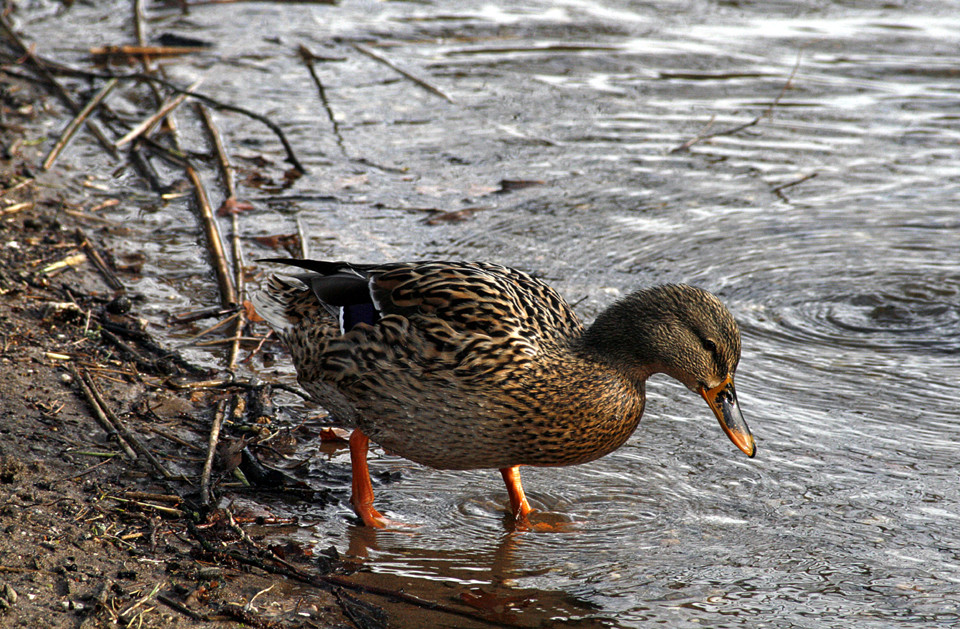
(66,378)
(120,305)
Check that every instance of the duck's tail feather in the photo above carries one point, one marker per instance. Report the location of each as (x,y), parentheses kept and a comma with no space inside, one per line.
(281,302)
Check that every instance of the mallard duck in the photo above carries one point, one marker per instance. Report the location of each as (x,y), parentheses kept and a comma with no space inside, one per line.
(469,365)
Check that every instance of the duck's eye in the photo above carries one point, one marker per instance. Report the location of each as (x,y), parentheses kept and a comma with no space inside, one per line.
(710,346)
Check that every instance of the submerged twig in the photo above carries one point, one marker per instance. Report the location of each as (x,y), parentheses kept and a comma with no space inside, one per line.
(78,120)
(778,190)
(376,56)
(274,564)
(766,113)
(161,113)
(309,58)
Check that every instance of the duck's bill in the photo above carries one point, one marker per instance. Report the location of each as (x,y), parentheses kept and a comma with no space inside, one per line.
(722,400)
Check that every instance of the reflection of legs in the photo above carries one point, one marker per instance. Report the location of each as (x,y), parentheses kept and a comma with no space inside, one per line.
(519,506)
(362,498)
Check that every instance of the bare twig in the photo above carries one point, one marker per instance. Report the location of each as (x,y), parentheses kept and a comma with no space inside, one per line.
(46,65)
(101,416)
(376,56)
(78,120)
(212,441)
(183,609)
(108,275)
(165,109)
(88,470)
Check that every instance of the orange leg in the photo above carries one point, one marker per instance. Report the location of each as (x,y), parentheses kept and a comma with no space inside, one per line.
(518,500)
(362,498)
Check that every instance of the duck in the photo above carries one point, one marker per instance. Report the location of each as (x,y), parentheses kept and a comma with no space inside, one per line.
(475,365)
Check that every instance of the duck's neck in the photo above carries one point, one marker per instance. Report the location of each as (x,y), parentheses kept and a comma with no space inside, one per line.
(615,339)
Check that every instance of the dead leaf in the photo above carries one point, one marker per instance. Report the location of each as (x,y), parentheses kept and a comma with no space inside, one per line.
(232,206)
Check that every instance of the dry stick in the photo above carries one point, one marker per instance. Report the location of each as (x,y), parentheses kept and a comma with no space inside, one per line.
(376,56)
(228,295)
(211,451)
(765,114)
(101,417)
(226,171)
(78,120)
(122,428)
(108,275)
(165,109)
(41,67)
(309,58)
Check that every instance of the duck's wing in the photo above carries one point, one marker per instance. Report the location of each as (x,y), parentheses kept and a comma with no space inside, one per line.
(461,302)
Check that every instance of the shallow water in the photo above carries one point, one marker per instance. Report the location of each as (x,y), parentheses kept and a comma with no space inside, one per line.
(846,284)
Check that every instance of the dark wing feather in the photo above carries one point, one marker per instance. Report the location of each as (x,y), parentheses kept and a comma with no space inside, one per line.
(342,289)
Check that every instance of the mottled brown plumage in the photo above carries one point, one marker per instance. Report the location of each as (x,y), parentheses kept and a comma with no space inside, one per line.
(463,365)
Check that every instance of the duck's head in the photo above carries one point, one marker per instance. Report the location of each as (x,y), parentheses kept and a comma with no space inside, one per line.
(684,332)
